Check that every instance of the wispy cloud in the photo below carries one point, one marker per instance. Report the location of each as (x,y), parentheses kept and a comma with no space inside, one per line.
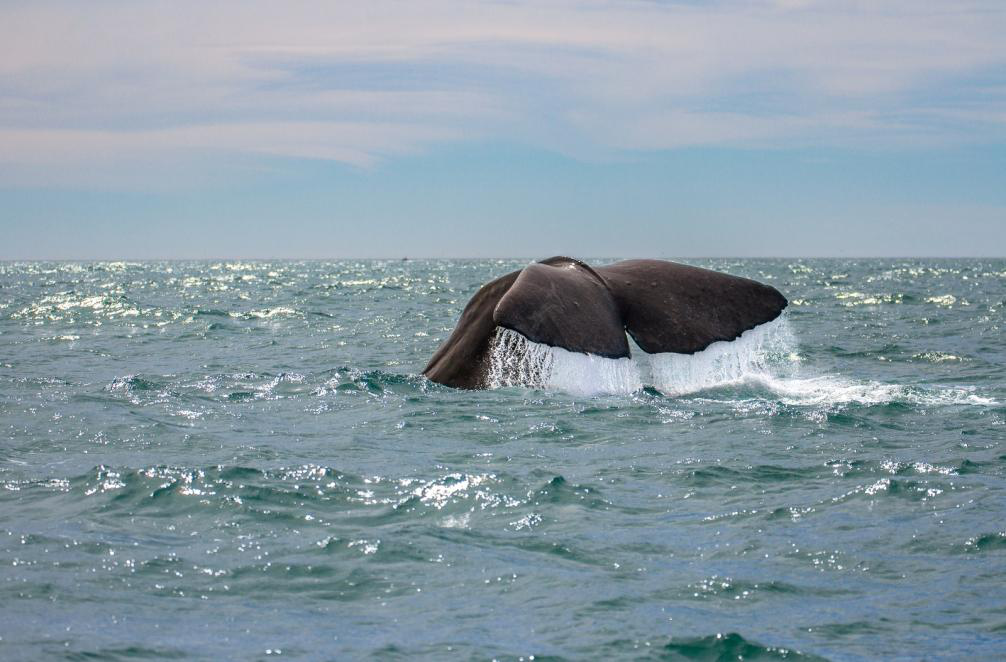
(108,85)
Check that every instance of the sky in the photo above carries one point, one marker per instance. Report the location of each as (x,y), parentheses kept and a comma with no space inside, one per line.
(443,128)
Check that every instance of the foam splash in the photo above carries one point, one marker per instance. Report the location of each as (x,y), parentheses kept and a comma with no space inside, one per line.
(832,391)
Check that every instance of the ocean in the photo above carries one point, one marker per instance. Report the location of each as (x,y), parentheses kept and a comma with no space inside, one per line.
(241,460)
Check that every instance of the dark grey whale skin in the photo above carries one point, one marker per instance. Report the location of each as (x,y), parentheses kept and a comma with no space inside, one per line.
(563,302)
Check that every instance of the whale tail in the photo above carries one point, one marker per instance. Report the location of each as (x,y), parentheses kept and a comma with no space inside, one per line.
(563,302)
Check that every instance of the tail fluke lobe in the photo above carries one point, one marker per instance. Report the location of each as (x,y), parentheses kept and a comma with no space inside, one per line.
(671,307)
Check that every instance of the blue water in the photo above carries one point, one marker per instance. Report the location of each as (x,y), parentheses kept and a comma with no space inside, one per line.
(241,460)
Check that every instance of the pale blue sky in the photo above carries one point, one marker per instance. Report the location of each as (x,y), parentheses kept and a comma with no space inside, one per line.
(442,128)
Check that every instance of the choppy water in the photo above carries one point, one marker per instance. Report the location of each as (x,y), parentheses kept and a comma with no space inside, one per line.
(241,460)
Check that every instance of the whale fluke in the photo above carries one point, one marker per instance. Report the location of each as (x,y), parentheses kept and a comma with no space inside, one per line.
(462,361)
(563,302)
(670,307)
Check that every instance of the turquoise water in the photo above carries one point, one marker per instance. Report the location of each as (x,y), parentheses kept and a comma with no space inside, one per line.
(240,460)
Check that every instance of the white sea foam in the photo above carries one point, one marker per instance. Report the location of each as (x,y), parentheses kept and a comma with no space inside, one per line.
(834,390)
(764,359)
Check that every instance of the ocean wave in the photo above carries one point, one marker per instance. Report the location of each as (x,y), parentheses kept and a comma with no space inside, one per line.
(730,646)
(986,542)
(287,491)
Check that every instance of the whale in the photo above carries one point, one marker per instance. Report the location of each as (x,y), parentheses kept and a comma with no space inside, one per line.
(564,302)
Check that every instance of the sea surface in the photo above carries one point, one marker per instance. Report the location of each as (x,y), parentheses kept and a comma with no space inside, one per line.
(241,460)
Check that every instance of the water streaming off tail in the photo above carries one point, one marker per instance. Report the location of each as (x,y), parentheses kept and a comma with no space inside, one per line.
(764,352)
(764,358)
(516,361)
(768,350)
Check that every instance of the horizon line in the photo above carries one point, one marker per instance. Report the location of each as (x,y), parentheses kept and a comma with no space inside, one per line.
(500,257)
